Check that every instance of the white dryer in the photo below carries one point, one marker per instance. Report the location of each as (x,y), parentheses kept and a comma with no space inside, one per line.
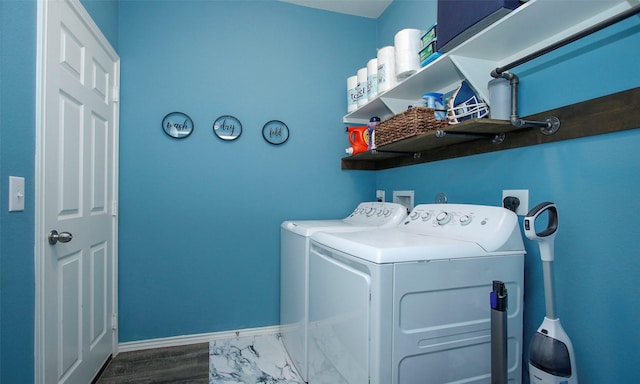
(294,268)
(411,304)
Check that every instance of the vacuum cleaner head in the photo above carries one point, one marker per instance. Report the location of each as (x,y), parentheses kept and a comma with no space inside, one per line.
(550,355)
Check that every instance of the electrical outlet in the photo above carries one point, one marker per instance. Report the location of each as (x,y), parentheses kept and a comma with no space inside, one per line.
(522,195)
(380,195)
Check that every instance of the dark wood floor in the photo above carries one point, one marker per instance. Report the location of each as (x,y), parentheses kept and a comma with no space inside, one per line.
(183,364)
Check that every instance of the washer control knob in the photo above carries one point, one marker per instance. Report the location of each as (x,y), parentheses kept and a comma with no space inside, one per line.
(415,215)
(465,219)
(370,211)
(387,213)
(443,218)
(426,216)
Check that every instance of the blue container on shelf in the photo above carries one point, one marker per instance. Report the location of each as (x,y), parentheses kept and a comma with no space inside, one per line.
(434,100)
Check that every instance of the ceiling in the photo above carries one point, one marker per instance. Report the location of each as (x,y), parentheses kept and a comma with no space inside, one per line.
(365,8)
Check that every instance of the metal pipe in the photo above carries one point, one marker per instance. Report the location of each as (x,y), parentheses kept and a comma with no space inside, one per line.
(548,127)
(415,155)
(495,138)
(441,133)
(567,40)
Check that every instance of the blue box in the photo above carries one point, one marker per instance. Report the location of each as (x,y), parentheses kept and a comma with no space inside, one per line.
(458,20)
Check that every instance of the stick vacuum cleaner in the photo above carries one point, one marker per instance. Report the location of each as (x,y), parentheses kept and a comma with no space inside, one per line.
(551,357)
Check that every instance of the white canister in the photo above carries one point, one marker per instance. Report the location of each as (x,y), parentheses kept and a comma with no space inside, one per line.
(499,99)
(352,83)
(362,87)
(386,68)
(372,79)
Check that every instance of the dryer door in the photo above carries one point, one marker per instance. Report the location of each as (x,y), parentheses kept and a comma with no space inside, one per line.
(339,307)
(294,256)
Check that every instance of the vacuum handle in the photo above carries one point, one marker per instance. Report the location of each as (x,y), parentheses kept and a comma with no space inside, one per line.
(532,216)
(545,238)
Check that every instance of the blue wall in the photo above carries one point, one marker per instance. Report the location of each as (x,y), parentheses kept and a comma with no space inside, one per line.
(593,181)
(17,152)
(403,14)
(105,15)
(199,217)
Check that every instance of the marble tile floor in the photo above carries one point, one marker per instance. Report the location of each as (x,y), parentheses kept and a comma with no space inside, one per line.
(251,360)
(259,359)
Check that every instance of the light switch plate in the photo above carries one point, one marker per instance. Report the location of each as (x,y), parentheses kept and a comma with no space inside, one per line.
(16,194)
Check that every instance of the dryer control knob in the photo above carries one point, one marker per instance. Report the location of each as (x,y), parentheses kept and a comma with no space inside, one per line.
(426,216)
(443,218)
(415,215)
(465,219)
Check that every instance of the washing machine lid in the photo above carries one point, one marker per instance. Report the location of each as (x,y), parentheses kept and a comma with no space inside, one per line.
(367,215)
(394,246)
(308,227)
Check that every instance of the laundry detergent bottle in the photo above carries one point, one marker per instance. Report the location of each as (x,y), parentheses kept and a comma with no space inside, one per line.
(359,140)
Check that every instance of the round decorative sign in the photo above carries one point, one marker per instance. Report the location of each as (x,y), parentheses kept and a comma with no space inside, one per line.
(177,125)
(227,128)
(275,132)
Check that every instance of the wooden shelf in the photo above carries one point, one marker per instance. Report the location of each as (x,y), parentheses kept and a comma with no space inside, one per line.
(605,114)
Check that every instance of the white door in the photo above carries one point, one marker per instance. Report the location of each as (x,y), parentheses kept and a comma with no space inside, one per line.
(78,77)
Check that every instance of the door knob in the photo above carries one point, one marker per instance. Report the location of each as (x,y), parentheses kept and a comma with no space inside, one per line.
(63,237)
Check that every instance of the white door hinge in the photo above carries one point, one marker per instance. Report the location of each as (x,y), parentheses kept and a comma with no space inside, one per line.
(114,208)
(114,321)
(116,94)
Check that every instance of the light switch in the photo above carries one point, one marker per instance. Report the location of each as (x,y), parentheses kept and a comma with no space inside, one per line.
(16,194)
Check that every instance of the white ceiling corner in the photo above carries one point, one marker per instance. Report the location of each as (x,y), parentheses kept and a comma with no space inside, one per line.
(364,8)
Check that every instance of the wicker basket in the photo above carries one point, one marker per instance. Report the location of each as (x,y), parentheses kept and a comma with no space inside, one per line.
(414,121)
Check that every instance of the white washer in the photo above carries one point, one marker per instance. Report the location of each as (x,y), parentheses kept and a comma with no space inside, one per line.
(411,304)
(294,268)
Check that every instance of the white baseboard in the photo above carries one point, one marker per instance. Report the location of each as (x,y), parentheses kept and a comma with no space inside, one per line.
(194,339)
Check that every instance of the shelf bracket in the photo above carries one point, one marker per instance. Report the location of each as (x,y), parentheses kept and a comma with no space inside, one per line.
(414,155)
(495,138)
(547,127)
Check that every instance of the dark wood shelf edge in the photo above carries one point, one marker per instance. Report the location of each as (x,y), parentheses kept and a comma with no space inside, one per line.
(606,114)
